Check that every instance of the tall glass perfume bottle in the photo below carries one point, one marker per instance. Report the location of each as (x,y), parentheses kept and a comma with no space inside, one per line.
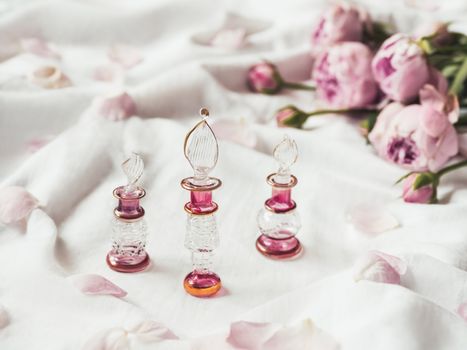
(279,221)
(202,237)
(129,227)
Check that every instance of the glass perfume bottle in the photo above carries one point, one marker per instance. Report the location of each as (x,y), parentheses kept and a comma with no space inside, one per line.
(279,220)
(201,151)
(129,228)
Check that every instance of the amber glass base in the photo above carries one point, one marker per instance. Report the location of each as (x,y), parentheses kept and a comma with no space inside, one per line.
(202,285)
(279,248)
(127,263)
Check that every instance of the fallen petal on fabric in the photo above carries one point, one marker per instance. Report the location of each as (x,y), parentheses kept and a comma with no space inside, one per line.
(16,204)
(49,77)
(96,285)
(237,132)
(371,218)
(380,267)
(115,107)
(232,39)
(124,55)
(38,47)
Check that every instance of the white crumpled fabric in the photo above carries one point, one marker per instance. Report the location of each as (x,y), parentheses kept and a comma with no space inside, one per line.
(173,72)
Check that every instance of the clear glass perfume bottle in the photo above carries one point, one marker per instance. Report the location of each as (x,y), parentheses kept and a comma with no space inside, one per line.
(202,237)
(129,228)
(279,220)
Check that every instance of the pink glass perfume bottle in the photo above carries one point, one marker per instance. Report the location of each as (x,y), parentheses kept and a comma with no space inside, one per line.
(129,228)
(279,221)
(202,237)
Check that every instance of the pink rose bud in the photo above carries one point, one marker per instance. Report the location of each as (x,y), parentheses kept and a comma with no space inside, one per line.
(400,68)
(264,78)
(418,137)
(291,116)
(343,76)
(338,24)
(414,191)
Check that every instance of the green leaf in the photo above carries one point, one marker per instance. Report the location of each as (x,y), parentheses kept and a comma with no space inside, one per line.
(458,83)
(423,179)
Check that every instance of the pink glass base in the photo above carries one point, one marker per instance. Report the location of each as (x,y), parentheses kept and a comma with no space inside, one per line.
(202,285)
(278,248)
(122,263)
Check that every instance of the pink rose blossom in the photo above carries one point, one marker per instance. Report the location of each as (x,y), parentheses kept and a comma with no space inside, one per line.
(264,78)
(422,195)
(343,76)
(16,204)
(338,24)
(418,137)
(400,68)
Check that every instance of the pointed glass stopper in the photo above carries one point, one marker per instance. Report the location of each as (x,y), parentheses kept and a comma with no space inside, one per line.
(133,168)
(201,149)
(285,154)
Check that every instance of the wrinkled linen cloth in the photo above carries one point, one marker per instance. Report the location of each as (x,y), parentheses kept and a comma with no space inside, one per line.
(73,176)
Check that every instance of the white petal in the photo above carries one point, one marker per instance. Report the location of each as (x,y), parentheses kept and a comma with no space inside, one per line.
(96,285)
(371,218)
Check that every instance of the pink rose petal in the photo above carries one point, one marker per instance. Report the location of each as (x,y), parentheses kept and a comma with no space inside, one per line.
(115,107)
(462,311)
(229,38)
(237,132)
(38,47)
(371,218)
(126,56)
(153,331)
(379,267)
(96,285)
(16,204)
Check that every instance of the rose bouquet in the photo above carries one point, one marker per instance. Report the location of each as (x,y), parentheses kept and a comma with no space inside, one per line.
(408,89)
